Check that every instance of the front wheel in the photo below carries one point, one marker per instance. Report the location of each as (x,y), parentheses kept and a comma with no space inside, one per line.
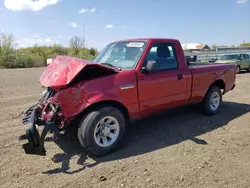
(212,101)
(102,130)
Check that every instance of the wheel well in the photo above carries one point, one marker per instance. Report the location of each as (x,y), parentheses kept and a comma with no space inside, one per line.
(220,84)
(115,104)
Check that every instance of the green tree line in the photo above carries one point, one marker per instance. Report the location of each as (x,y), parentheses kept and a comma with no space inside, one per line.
(36,56)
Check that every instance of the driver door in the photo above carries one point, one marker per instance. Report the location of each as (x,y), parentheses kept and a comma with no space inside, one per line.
(165,88)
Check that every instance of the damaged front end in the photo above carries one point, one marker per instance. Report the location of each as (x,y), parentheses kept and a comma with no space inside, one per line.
(63,100)
(47,113)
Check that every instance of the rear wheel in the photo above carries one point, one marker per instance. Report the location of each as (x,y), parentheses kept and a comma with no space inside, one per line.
(102,131)
(212,101)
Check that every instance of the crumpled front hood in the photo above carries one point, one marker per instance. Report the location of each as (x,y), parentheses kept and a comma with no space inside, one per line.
(64,69)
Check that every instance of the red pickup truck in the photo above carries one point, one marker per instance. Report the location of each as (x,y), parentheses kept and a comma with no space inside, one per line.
(129,79)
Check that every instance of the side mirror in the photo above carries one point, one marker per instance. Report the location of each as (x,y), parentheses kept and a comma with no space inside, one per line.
(192,58)
(150,67)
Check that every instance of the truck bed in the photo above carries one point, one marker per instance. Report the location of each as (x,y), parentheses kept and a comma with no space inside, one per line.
(205,73)
(199,64)
(191,64)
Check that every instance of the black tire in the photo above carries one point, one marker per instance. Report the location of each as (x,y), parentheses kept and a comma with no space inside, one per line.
(87,128)
(207,109)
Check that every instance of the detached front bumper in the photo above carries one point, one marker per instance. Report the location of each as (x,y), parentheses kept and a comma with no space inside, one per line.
(35,143)
(36,140)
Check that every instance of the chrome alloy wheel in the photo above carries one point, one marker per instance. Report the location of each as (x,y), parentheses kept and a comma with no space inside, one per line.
(106,131)
(214,101)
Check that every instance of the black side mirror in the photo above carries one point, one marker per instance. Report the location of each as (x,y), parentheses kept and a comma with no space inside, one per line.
(150,67)
(192,58)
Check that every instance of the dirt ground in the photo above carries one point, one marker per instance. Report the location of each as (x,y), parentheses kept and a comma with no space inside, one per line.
(179,148)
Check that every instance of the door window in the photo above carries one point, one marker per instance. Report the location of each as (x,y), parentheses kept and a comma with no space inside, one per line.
(164,56)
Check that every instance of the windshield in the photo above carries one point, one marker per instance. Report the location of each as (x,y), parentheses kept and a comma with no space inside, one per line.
(123,55)
(230,57)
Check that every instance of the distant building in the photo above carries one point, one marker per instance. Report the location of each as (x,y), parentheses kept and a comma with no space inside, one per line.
(196,47)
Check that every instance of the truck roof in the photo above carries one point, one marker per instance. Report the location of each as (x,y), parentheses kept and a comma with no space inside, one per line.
(149,39)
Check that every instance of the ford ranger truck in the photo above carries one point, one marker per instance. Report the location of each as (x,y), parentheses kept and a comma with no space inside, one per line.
(129,79)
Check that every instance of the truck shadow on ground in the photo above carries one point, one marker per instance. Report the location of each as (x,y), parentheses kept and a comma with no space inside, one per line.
(156,132)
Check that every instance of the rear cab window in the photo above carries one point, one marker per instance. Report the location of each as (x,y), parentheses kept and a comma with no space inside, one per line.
(164,55)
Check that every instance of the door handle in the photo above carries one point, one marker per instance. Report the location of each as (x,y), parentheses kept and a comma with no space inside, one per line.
(180,76)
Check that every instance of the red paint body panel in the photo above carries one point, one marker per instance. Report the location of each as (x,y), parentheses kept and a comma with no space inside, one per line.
(80,96)
(162,90)
(109,88)
(147,93)
(204,76)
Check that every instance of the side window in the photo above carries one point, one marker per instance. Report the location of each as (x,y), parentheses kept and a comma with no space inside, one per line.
(246,56)
(164,56)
